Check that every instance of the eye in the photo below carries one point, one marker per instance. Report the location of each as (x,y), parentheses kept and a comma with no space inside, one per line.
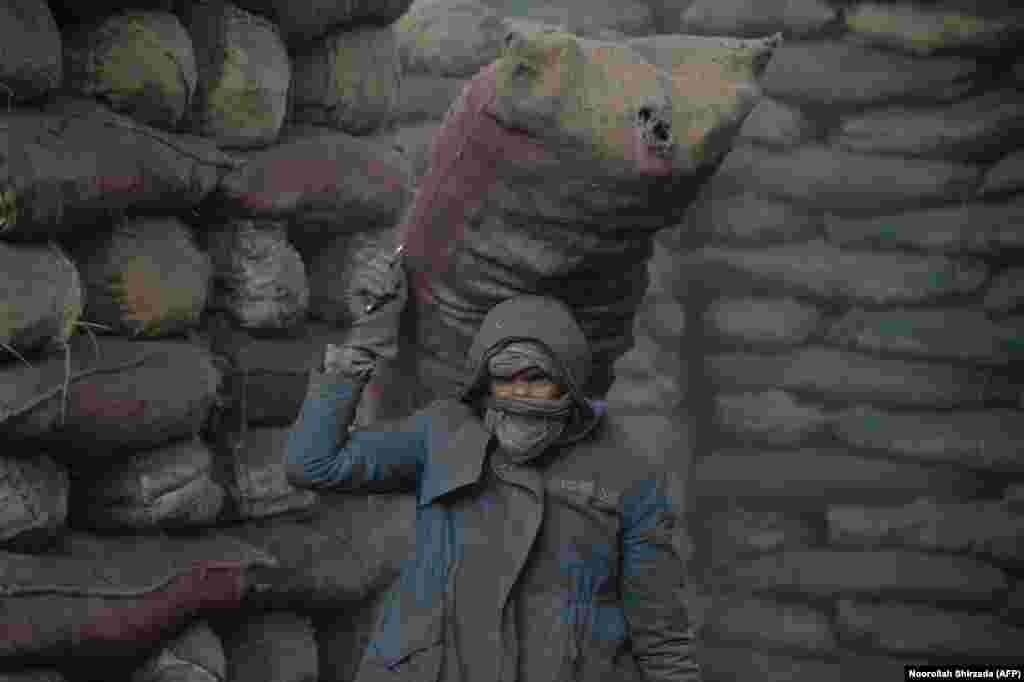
(644,114)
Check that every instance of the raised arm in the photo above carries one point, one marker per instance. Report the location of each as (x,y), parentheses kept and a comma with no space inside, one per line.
(321,452)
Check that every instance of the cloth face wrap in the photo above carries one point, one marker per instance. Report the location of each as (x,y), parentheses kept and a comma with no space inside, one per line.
(526,427)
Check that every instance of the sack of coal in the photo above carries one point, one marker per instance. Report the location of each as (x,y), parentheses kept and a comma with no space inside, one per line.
(334,297)
(33,501)
(118,595)
(244,74)
(196,655)
(349,549)
(259,278)
(41,299)
(426,98)
(600,21)
(251,466)
(77,164)
(276,373)
(145,278)
(279,646)
(139,62)
(322,182)
(302,21)
(167,487)
(349,80)
(553,171)
(116,396)
(414,142)
(30,63)
(449,37)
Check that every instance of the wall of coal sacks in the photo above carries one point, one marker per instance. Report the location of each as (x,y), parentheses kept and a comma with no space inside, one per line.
(831,340)
(856,301)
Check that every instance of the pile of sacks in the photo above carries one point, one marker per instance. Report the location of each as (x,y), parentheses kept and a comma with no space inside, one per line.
(183,199)
(156,333)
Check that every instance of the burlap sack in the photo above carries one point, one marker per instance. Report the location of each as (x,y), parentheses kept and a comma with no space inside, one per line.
(322,182)
(276,373)
(449,37)
(350,549)
(78,163)
(302,21)
(251,466)
(552,173)
(196,655)
(131,395)
(414,143)
(274,647)
(349,80)
(139,62)
(259,278)
(40,299)
(169,487)
(145,278)
(30,63)
(116,596)
(334,295)
(244,74)
(33,501)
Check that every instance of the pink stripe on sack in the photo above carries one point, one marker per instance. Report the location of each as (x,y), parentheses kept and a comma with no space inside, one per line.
(209,585)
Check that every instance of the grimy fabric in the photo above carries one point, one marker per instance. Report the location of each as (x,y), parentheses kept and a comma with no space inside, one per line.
(568,567)
(550,175)
(109,595)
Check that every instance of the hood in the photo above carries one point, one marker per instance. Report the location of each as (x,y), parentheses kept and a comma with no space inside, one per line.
(548,322)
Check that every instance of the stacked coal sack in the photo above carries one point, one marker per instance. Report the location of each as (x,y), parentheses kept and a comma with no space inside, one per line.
(155,341)
(442,44)
(550,184)
(857,285)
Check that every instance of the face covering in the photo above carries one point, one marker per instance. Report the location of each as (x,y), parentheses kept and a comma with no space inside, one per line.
(525,427)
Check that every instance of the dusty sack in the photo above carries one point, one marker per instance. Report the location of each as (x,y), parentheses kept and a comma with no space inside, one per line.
(320,181)
(30,64)
(133,395)
(33,501)
(276,372)
(349,80)
(78,163)
(141,63)
(602,21)
(41,299)
(259,278)
(251,465)
(304,20)
(527,194)
(196,655)
(146,277)
(117,595)
(244,73)
(449,37)
(414,143)
(168,487)
(274,647)
(333,267)
(351,548)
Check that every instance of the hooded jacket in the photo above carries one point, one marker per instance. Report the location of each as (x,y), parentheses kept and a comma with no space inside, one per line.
(565,567)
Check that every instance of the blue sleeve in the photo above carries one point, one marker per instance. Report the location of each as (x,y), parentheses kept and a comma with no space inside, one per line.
(321,453)
(654,581)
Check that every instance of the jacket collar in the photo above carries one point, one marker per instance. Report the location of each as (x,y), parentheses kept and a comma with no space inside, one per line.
(457,454)
(455,458)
